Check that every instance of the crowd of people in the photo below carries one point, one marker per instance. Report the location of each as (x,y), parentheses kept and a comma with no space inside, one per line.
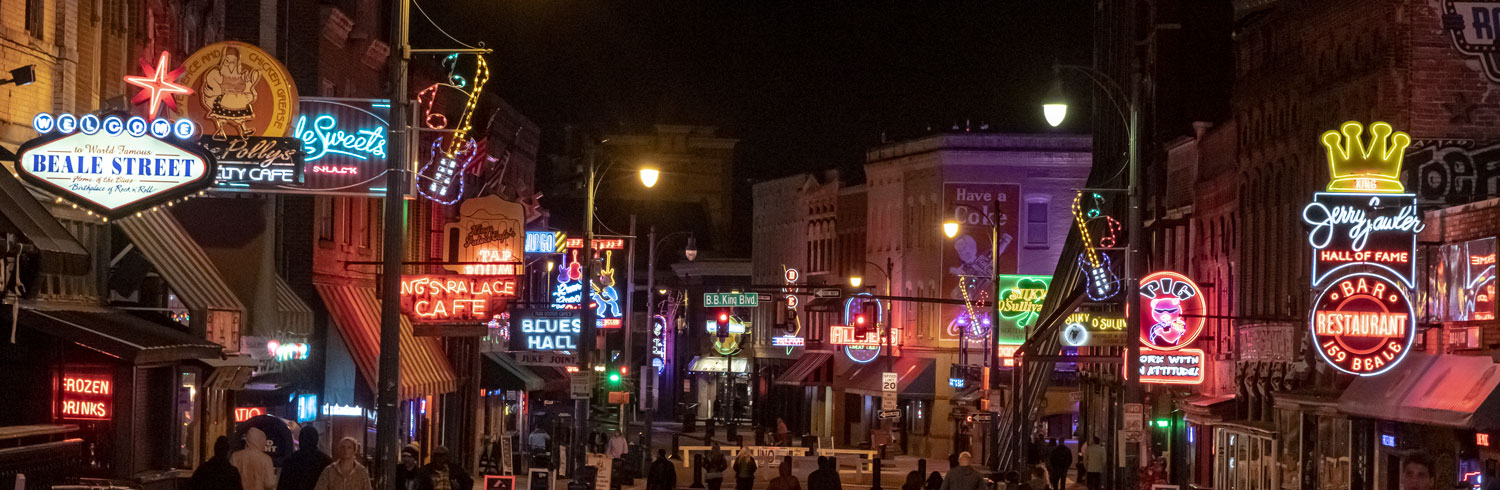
(309,468)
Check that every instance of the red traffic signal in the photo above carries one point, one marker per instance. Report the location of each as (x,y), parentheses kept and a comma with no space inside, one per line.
(723,324)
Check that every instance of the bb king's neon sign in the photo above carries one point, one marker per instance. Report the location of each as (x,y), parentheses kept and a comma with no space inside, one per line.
(1363,324)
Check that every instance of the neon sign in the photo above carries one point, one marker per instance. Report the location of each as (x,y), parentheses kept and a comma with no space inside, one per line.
(1183,366)
(489,229)
(1482,439)
(86,396)
(325,137)
(1101,283)
(1173,307)
(431,298)
(343,410)
(242,414)
(858,350)
(307,407)
(544,242)
(544,330)
(788,341)
(1357,167)
(1084,328)
(1363,229)
(599,243)
(846,335)
(114,166)
(1021,299)
(289,351)
(658,343)
(1363,324)
(158,85)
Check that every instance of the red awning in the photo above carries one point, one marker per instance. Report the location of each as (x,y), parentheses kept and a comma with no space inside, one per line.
(915,377)
(356,311)
(1448,390)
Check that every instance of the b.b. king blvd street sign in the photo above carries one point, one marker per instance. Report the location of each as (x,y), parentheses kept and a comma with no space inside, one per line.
(720,300)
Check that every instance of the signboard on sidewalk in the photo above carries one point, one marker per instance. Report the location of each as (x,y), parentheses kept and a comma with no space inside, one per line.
(581,384)
(498,482)
(603,470)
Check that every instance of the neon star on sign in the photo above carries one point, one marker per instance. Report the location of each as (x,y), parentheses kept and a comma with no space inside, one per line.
(158,85)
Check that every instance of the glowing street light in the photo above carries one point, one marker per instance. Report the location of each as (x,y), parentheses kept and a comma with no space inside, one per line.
(856,281)
(1055,105)
(649,175)
(950,228)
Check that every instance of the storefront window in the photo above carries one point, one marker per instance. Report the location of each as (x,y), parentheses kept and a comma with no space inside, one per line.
(189,440)
(1288,425)
(1243,461)
(1333,453)
(1461,281)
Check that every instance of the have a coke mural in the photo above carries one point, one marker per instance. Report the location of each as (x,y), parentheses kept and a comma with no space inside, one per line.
(1363,231)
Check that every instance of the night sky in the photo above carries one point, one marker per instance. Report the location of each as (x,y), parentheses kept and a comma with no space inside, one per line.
(804,87)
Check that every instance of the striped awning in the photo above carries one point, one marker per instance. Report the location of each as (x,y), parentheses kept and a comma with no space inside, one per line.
(296,316)
(188,271)
(356,311)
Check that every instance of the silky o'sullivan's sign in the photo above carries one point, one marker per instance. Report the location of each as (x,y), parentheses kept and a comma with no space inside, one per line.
(112,165)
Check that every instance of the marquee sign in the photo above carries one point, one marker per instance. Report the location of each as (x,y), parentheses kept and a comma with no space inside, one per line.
(1356,229)
(1172,307)
(114,166)
(1182,366)
(545,242)
(85,394)
(544,330)
(1363,324)
(1093,329)
(489,229)
(344,142)
(455,299)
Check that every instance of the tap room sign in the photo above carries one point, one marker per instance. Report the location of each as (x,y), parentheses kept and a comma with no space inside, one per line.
(489,229)
(460,305)
(114,166)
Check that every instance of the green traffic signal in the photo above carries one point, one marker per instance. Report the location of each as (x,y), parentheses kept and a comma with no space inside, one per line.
(614,377)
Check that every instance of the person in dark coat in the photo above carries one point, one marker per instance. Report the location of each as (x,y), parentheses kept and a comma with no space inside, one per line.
(663,474)
(217,473)
(440,469)
(1058,463)
(826,476)
(302,469)
(406,471)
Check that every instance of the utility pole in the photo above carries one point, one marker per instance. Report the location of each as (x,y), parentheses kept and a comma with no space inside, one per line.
(1134,392)
(647,401)
(387,415)
(628,323)
(587,333)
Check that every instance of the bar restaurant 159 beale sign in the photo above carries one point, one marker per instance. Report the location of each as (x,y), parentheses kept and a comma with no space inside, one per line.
(114,165)
(469,303)
(1365,229)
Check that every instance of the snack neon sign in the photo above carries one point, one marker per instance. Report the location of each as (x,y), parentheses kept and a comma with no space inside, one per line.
(321,139)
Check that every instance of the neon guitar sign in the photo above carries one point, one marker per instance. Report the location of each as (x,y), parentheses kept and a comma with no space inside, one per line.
(1101,281)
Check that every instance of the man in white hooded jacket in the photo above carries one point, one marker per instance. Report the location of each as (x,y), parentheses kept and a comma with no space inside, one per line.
(256,470)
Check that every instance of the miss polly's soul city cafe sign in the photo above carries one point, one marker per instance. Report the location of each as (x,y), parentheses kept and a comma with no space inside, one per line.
(1364,237)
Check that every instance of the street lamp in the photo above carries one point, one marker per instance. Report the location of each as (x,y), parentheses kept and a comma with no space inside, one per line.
(856,281)
(649,175)
(1130,114)
(691,252)
(950,228)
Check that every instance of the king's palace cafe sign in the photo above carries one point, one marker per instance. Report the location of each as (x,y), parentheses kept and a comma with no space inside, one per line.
(1363,232)
(114,165)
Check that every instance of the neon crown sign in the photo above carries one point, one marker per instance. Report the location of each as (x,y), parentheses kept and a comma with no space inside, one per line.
(1357,167)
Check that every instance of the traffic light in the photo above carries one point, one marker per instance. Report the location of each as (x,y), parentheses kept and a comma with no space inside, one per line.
(723,324)
(861,325)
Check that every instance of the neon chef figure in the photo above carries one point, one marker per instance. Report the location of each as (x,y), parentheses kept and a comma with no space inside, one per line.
(1169,327)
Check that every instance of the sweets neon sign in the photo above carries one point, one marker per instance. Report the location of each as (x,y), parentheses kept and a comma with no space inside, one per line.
(320,139)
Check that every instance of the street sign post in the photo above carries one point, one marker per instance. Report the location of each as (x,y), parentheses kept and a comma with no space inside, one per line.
(888,382)
(1135,417)
(827,293)
(891,414)
(717,300)
(582,385)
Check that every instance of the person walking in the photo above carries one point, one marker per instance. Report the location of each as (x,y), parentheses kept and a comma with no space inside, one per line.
(744,470)
(913,482)
(935,481)
(786,480)
(346,473)
(826,476)
(1094,463)
(1038,480)
(713,474)
(257,472)
(537,445)
(663,474)
(216,473)
(1058,463)
(442,475)
(406,471)
(302,469)
(963,476)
